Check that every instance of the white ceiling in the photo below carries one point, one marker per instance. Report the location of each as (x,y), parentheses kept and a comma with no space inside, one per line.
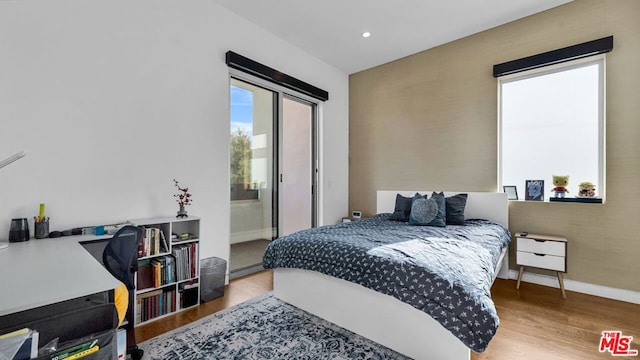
(331,29)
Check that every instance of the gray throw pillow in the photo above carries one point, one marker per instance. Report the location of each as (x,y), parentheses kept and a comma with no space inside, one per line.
(441,218)
(402,209)
(455,209)
(423,211)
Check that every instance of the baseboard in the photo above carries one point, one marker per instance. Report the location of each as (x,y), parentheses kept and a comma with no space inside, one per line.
(581,287)
(234,274)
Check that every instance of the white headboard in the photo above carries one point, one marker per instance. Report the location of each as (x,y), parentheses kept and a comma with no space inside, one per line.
(480,205)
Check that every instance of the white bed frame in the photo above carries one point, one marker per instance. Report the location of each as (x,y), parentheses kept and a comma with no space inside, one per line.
(383,318)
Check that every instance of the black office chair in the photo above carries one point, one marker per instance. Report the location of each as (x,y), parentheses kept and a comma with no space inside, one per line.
(120,257)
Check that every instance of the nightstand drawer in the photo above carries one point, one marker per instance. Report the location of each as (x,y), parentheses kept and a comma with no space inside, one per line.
(544,261)
(542,246)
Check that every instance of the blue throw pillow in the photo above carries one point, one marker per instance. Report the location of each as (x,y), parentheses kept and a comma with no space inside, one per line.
(441,218)
(423,211)
(402,209)
(455,209)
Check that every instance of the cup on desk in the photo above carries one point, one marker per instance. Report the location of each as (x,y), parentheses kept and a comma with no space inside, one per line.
(41,229)
(19,230)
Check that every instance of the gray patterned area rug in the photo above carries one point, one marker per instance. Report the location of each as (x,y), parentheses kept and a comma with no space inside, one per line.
(263,328)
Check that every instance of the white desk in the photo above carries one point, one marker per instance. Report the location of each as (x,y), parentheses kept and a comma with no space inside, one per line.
(40,272)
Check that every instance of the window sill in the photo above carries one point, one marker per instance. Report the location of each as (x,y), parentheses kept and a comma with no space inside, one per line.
(593,200)
(580,200)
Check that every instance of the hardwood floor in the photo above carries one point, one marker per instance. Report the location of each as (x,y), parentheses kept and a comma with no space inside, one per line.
(535,322)
(238,290)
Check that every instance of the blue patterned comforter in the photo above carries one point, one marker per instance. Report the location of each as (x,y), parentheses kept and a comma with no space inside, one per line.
(446,272)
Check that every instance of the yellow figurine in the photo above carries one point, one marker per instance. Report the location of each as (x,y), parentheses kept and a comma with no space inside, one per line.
(560,183)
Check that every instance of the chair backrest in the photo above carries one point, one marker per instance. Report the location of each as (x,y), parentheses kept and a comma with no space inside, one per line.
(120,256)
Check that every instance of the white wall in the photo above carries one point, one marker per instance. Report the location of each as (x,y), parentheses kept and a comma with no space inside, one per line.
(112,99)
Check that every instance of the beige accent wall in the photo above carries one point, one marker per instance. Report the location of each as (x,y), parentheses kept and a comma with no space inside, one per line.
(429,121)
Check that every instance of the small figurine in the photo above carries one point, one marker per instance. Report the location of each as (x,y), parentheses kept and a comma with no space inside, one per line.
(586,189)
(560,183)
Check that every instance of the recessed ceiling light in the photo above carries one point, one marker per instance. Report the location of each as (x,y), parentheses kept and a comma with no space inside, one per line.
(366,34)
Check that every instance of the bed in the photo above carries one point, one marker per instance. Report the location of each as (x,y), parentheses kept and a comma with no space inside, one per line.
(362,305)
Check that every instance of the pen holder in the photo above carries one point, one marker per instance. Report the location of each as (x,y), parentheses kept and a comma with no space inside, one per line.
(41,229)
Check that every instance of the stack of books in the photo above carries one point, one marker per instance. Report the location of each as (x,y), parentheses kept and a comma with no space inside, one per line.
(156,272)
(186,260)
(155,303)
(153,243)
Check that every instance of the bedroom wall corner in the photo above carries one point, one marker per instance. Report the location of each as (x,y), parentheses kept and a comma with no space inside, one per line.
(430,121)
(114,99)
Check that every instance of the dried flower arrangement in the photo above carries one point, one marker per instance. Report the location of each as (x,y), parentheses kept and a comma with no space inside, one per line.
(183,198)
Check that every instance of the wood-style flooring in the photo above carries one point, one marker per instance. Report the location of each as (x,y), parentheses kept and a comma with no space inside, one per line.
(535,322)
(238,290)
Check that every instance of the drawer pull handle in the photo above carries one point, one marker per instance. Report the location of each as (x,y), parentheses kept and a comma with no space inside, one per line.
(536,240)
(536,254)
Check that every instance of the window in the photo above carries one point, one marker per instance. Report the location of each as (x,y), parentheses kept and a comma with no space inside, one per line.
(252,113)
(551,122)
(241,130)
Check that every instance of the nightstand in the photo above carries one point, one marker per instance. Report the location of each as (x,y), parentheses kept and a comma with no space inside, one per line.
(542,251)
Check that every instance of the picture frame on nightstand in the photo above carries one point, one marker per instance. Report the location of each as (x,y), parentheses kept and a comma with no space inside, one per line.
(534,190)
(511,191)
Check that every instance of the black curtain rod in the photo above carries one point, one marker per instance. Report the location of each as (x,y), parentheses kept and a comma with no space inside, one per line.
(573,52)
(255,68)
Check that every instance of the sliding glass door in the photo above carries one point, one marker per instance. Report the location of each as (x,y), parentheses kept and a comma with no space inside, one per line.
(296,169)
(272,167)
(253,113)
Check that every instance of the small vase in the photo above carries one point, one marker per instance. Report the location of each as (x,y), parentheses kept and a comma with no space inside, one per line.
(182,213)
